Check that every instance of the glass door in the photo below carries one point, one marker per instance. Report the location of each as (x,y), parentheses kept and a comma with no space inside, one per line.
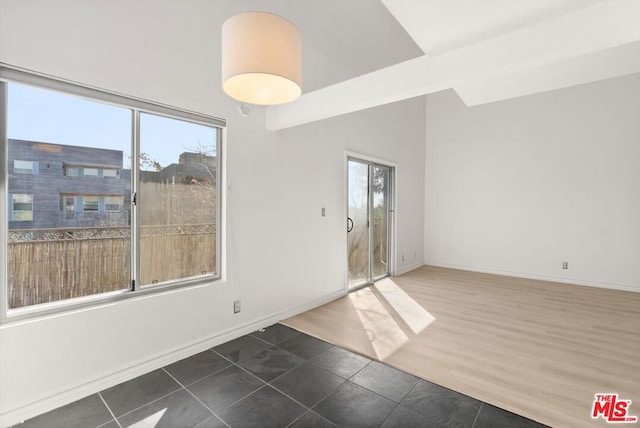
(380,221)
(368,221)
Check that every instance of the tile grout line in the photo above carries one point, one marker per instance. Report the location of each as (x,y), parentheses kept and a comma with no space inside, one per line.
(265,383)
(285,373)
(397,403)
(304,361)
(212,417)
(297,419)
(269,383)
(277,389)
(296,401)
(270,343)
(204,377)
(150,402)
(252,334)
(243,397)
(233,363)
(477,414)
(317,365)
(214,414)
(391,413)
(109,409)
(315,413)
(377,393)
(400,402)
(279,349)
(365,366)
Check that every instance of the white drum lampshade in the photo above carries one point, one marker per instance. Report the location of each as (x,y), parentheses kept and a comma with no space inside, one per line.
(261,59)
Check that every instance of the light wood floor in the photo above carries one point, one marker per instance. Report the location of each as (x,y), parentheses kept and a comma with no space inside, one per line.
(539,349)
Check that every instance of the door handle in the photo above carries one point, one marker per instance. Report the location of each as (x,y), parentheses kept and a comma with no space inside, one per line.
(349,224)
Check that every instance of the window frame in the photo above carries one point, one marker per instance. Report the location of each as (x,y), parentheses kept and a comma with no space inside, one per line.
(109,176)
(69,169)
(10,74)
(23,170)
(107,203)
(65,203)
(90,201)
(73,170)
(13,206)
(94,172)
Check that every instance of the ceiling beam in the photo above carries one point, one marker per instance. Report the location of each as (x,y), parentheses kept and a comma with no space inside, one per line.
(588,31)
(605,64)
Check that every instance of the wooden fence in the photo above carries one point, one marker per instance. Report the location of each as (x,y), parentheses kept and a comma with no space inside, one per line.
(52,265)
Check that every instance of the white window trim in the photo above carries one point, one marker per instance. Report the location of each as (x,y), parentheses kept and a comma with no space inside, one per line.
(17,75)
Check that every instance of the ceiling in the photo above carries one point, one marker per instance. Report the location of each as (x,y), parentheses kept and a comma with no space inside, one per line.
(485,50)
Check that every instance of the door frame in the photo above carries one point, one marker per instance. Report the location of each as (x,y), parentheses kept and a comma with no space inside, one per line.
(357,156)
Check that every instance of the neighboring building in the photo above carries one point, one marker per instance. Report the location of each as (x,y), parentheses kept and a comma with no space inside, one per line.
(59,186)
(180,193)
(55,185)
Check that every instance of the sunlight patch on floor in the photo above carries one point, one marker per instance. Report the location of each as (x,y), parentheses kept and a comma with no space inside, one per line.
(415,316)
(385,334)
(150,421)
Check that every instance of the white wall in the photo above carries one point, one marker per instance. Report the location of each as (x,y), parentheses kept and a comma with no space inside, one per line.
(520,186)
(282,256)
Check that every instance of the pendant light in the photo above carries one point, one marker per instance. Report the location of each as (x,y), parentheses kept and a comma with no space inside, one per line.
(261,59)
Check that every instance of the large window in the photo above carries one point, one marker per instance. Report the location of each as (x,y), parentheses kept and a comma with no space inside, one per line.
(151,224)
(177,194)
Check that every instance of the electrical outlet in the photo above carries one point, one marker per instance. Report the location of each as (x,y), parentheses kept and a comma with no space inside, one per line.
(403,257)
(565,265)
(236,306)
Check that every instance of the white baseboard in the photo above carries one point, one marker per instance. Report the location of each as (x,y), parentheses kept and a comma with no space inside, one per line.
(409,268)
(54,399)
(564,280)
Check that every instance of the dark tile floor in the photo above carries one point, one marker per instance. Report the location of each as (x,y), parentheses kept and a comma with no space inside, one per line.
(277,377)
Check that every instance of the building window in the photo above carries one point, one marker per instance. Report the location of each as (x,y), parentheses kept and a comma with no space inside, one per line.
(72,171)
(95,224)
(21,207)
(112,203)
(25,167)
(69,204)
(90,172)
(110,173)
(90,203)
(83,171)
